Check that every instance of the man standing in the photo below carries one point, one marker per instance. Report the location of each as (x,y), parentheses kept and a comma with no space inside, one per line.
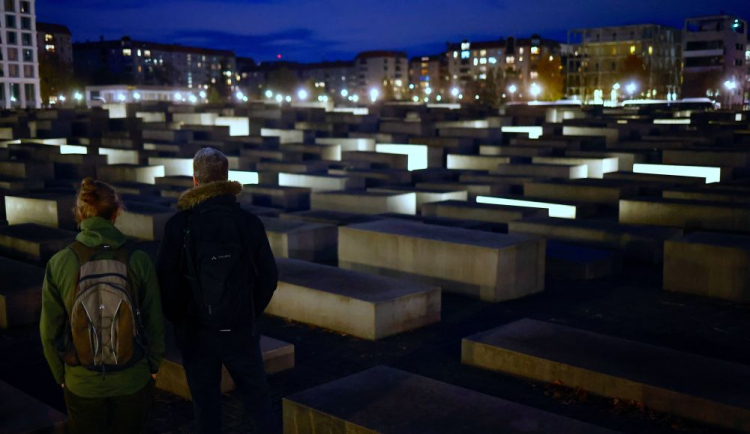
(217,275)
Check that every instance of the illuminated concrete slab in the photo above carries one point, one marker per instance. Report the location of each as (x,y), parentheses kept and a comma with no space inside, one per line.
(174,166)
(32,242)
(144,221)
(707,157)
(243,177)
(625,160)
(611,135)
(328,217)
(597,166)
(475,162)
(425,196)
(701,193)
(120,156)
(473,189)
(488,266)
(167,135)
(376,177)
(348,144)
(418,155)
(364,202)
(238,126)
(480,212)
(285,198)
(19,184)
(557,209)
(515,151)
(278,356)
(319,181)
(300,240)
(195,118)
(185,182)
(575,262)
(130,173)
(662,379)
(377,160)
(287,136)
(546,171)
(21,413)
(487,135)
(27,169)
(388,401)
(359,304)
(711,174)
(604,192)
(642,243)
(315,152)
(293,167)
(533,132)
(685,214)
(407,128)
(653,185)
(48,209)
(20,293)
(712,265)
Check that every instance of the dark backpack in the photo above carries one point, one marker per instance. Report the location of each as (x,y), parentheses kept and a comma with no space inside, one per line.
(219,266)
(104,331)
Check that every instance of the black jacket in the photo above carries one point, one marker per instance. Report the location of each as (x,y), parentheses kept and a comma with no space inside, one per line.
(176,294)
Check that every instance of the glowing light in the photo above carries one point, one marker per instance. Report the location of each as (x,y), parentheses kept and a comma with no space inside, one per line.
(535,90)
(730,84)
(616,86)
(279,98)
(78,96)
(631,88)
(415,99)
(374,94)
(192,98)
(512,88)
(177,96)
(417,154)
(121,97)
(302,94)
(344,93)
(269,94)
(711,174)
(61,98)
(355,98)
(454,91)
(555,209)
(244,177)
(202,94)
(288,98)
(428,91)
(399,83)
(533,131)
(245,99)
(439,98)
(239,95)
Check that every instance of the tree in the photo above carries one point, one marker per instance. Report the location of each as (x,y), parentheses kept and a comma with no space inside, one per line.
(633,70)
(55,76)
(550,78)
(214,97)
(489,92)
(283,80)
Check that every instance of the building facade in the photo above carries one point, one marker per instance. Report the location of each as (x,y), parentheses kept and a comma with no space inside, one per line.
(19,65)
(336,79)
(381,75)
(126,61)
(55,48)
(608,64)
(429,75)
(55,40)
(715,57)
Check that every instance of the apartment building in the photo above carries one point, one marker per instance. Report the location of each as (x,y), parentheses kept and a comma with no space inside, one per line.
(19,65)
(381,74)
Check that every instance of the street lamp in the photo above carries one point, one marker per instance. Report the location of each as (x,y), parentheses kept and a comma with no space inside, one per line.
(535,90)
(344,93)
(631,88)
(512,91)
(302,94)
(374,94)
(269,94)
(428,91)
(78,96)
(454,92)
(731,85)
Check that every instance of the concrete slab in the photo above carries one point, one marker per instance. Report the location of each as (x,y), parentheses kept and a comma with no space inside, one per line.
(596,191)
(687,385)
(364,202)
(46,209)
(641,243)
(709,264)
(328,217)
(299,240)
(685,214)
(388,401)
(27,169)
(378,160)
(362,305)
(491,267)
(33,242)
(23,414)
(545,171)
(597,167)
(278,356)
(144,221)
(475,162)
(425,196)
(319,181)
(480,212)
(284,198)
(20,293)
(130,173)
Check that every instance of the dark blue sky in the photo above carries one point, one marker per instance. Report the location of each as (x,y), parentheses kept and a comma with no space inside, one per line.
(314,30)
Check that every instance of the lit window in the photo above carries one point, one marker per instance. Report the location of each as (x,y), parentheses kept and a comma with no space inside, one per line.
(534,50)
(493,60)
(483,61)
(455,54)
(50,48)
(465,54)
(510,59)
(632,49)
(465,45)
(747,55)
(48,37)
(483,53)
(147,53)
(650,50)
(127,52)
(520,59)
(520,51)
(139,53)
(476,61)
(483,76)
(534,75)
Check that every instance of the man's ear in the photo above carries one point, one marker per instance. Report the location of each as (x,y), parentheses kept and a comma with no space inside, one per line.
(195,181)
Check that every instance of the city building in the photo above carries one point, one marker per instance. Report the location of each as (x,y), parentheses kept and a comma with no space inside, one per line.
(280,77)
(381,74)
(122,94)
(126,61)
(505,69)
(608,64)
(19,65)
(429,72)
(715,57)
(331,78)
(55,49)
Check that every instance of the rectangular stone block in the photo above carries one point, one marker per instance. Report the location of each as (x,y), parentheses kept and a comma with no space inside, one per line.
(642,243)
(425,196)
(285,198)
(687,385)
(475,162)
(480,212)
(143,221)
(365,202)
(384,400)
(685,214)
(130,173)
(22,414)
(359,304)
(47,209)
(597,167)
(328,217)
(27,169)
(708,264)
(545,171)
(377,160)
(278,356)
(488,266)
(32,242)
(603,192)
(20,293)
(319,181)
(304,241)
(515,151)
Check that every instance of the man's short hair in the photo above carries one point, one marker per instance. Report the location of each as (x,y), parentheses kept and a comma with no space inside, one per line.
(210,165)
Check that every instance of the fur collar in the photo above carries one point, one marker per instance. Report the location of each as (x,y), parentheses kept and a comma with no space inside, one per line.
(195,196)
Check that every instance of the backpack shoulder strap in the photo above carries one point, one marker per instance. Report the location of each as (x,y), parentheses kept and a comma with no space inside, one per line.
(83,252)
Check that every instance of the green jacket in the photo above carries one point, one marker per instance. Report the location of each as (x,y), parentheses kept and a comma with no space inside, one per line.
(58,294)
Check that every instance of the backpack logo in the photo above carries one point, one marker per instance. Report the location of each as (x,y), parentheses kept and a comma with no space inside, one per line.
(216,258)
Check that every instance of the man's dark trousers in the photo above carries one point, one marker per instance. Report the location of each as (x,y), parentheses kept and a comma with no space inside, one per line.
(203,353)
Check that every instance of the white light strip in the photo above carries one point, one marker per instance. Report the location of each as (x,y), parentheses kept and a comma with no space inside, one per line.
(555,210)
(417,154)
(672,121)
(533,132)
(244,177)
(711,174)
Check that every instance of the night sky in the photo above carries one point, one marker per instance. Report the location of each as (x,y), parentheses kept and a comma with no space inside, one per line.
(315,30)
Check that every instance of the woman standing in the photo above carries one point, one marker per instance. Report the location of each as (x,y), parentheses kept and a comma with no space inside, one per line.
(101,324)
